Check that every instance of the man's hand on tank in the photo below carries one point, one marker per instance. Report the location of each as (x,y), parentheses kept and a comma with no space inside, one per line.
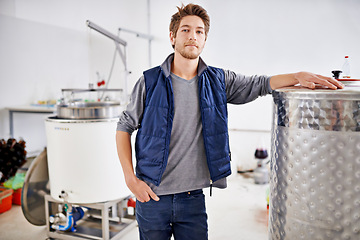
(309,80)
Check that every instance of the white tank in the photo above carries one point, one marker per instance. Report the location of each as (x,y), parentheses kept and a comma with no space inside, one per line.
(83,161)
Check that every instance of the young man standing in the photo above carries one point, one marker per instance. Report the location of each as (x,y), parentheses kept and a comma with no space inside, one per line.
(182,146)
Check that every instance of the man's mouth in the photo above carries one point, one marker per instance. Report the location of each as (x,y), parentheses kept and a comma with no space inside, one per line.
(191,45)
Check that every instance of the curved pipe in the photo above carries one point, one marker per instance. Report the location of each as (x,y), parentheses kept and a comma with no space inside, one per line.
(76,214)
(69,223)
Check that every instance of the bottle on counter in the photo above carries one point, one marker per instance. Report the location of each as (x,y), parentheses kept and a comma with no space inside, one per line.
(346,68)
(261,173)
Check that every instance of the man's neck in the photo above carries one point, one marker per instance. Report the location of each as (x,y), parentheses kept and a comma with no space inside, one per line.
(183,67)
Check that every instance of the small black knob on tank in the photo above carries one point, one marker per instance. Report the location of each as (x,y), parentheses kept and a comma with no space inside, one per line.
(336,73)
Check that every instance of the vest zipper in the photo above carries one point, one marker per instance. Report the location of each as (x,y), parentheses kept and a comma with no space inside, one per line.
(200,83)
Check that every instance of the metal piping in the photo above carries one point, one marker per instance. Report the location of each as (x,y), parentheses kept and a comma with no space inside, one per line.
(69,223)
(106,33)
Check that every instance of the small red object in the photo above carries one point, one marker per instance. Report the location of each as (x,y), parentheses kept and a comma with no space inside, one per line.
(131,203)
(100,83)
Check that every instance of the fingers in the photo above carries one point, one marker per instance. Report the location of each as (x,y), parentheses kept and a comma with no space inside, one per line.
(333,81)
(309,80)
(142,191)
(325,81)
(142,197)
(148,195)
(153,195)
(307,84)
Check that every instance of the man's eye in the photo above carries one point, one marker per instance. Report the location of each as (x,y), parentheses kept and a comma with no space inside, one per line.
(200,32)
(185,30)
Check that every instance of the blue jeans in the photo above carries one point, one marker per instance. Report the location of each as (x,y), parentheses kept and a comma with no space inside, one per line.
(183,215)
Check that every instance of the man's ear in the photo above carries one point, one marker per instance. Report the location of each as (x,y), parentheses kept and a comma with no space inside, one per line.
(172,38)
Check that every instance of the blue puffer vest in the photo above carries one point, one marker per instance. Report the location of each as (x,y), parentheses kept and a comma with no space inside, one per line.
(153,137)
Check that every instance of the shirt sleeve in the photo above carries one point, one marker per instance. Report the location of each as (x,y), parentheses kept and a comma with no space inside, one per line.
(242,89)
(130,118)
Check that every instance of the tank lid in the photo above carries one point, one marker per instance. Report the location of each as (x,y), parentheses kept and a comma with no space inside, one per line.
(350,92)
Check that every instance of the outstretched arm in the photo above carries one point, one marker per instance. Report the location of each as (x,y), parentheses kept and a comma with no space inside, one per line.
(305,79)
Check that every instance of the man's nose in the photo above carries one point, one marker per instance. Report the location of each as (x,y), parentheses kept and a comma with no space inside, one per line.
(192,35)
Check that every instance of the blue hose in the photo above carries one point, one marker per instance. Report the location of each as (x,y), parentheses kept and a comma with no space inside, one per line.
(78,213)
(71,217)
(69,223)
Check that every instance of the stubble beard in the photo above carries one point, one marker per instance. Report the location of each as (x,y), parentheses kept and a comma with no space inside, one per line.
(188,54)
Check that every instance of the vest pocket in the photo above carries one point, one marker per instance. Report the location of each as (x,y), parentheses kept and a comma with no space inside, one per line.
(216,119)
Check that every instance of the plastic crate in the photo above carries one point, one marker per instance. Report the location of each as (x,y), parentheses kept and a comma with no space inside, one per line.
(16,199)
(5,199)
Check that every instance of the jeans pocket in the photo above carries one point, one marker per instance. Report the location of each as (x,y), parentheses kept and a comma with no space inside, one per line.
(153,215)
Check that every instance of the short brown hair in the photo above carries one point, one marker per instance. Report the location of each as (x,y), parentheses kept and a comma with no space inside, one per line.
(189,10)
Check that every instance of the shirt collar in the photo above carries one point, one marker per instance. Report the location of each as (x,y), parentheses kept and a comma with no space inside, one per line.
(166,65)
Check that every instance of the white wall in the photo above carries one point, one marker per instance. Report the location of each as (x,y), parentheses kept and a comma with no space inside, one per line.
(45,46)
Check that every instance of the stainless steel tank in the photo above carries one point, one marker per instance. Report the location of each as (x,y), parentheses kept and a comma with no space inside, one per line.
(315,164)
(88,110)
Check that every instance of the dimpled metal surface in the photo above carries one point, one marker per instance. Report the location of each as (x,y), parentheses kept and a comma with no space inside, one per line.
(315,165)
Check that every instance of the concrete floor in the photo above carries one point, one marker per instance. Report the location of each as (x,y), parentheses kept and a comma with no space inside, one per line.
(238,212)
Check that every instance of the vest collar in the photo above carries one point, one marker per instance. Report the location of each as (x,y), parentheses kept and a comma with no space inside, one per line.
(166,65)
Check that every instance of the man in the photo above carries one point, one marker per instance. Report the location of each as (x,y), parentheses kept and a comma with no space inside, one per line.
(182,146)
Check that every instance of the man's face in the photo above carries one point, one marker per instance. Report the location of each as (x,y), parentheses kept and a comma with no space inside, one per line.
(190,37)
